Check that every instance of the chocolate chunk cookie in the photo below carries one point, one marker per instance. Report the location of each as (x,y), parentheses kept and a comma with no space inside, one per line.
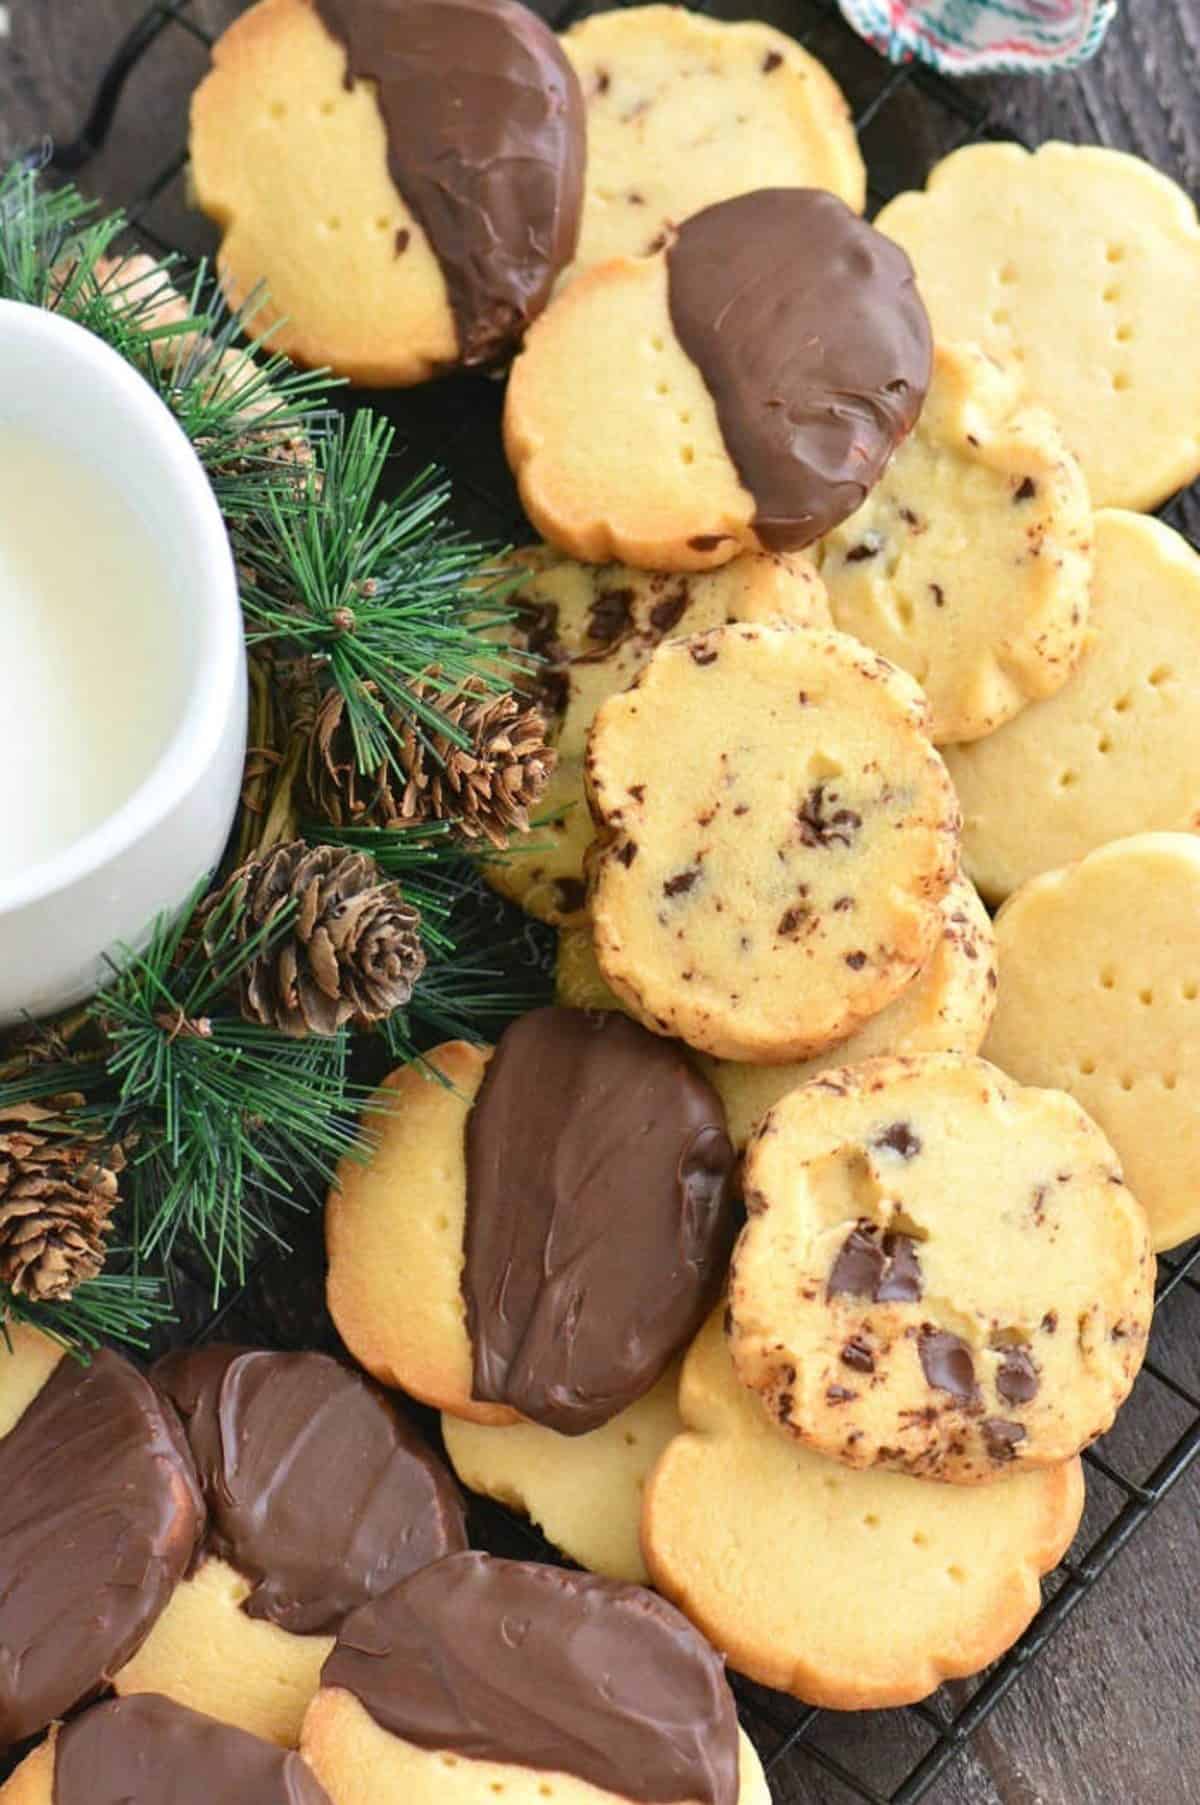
(942,1273)
(776,835)
(595,626)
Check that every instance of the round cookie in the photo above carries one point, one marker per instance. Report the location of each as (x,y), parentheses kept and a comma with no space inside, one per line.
(1082,264)
(404,178)
(1117,751)
(683,111)
(946,1009)
(743,388)
(942,1272)
(950,1576)
(482,1676)
(968,564)
(543,1238)
(286,1556)
(1100,995)
(584,1492)
(96,1485)
(597,625)
(775,834)
(155,1752)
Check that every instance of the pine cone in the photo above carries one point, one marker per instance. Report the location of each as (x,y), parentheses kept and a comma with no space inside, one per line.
(352,952)
(338,792)
(488,788)
(56,1203)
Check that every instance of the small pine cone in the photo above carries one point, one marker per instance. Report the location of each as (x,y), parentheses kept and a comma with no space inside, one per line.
(56,1202)
(487,788)
(337,790)
(353,949)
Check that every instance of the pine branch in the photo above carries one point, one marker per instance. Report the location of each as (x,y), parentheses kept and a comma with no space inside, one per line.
(383,593)
(122,1307)
(231,1119)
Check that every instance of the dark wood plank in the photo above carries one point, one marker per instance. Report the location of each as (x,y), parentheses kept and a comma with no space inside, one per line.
(1109,1712)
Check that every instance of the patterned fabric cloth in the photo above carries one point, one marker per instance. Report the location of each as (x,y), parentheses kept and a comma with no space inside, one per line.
(977,37)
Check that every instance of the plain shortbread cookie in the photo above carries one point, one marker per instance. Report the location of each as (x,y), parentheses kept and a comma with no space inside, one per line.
(1082,264)
(775,836)
(850,1590)
(942,1272)
(683,111)
(1117,751)
(968,564)
(584,1492)
(1100,995)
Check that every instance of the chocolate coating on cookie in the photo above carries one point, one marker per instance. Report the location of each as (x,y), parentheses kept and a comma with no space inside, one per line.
(99,1518)
(814,344)
(152,1751)
(317,1490)
(599,1215)
(485,130)
(506,1661)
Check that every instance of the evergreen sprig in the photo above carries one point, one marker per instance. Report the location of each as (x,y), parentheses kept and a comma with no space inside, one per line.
(226,1119)
(384,593)
(116,1306)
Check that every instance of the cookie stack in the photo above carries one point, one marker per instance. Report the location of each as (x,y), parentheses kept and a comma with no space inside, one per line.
(739,1269)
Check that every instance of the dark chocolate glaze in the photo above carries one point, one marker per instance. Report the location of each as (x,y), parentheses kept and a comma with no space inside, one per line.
(147,1750)
(808,330)
(485,127)
(317,1489)
(599,1215)
(99,1518)
(535,1667)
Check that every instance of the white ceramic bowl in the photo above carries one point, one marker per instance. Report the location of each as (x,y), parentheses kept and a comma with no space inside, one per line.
(59,918)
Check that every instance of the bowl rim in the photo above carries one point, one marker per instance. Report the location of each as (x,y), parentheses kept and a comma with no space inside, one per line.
(213,674)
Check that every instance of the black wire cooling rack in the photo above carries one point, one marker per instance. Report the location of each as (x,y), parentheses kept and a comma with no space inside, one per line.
(906,118)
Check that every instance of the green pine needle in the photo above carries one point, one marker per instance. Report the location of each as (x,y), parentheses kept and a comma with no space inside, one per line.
(381,591)
(117,1306)
(226,1119)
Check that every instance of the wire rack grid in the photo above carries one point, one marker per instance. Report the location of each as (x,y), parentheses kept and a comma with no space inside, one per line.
(906,117)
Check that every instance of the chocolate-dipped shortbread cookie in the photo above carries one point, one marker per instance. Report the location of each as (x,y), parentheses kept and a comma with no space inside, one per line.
(943,1272)
(320,1496)
(405,177)
(482,1676)
(151,1751)
(541,1232)
(100,1513)
(742,388)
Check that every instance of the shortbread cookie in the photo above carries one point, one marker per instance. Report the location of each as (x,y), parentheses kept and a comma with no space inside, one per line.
(743,388)
(404,179)
(595,626)
(1118,750)
(482,1676)
(850,1590)
(942,1272)
(683,111)
(946,1009)
(100,1513)
(1083,265)
(775,836)
(287,1555)
(968,564)
(584,1492)
(1100,995)
(542,1239)
(149,1751)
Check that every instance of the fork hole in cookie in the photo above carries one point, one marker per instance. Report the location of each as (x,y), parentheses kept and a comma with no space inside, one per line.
(328,108)
(1107,979)
(870,1521)
(1126,1081)
(1120,381)
(1104,744)
(1000,316)
(443,1223)
(657,343)
(1123,334)
(1170,1080)
(630,1439)
(1112,293)
(1145,997)
(957,1574)
(278,109)
(1115,253)
(1007,274)
(687,454)
(1087,1068)
(1067,778)
(1162,673)
(920,1539)
(1123,704)
(1190,991)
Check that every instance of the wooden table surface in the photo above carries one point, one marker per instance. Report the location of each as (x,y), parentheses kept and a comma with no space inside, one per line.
(1110,1715)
